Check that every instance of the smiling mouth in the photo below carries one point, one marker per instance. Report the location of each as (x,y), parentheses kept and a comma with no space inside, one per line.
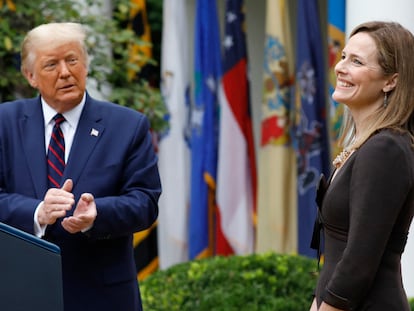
(344,84)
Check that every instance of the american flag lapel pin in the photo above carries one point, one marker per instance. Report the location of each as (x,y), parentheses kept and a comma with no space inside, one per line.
(94,132)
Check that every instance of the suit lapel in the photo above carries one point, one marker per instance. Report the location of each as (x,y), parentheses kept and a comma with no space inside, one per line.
(32,133)
(87,135)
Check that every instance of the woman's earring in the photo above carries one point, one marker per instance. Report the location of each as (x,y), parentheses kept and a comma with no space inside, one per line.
(385,104)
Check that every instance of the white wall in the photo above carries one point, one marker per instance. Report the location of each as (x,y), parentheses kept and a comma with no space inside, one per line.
(400,11)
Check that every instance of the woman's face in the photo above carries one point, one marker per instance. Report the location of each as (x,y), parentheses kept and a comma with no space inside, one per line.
(360,79)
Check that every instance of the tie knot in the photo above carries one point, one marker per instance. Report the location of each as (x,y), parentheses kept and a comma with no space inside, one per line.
(58,118)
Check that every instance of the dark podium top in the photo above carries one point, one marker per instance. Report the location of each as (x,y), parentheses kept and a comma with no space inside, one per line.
(30,272)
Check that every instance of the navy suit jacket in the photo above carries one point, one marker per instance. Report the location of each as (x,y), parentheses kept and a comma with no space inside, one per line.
(112,157)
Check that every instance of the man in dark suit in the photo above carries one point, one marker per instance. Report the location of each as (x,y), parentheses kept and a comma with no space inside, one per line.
(108,186)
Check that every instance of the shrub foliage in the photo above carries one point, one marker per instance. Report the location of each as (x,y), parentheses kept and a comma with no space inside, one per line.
(109,42)
(258,282)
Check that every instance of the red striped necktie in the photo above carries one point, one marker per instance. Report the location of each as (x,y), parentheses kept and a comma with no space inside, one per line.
(56,154)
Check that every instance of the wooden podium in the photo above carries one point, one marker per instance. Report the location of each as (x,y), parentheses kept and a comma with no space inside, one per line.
(30,272)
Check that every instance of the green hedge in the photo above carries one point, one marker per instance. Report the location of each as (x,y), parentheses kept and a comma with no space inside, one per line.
(411,301)
(265,282)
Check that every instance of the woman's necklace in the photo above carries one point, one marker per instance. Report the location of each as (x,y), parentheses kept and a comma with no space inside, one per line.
(342,157)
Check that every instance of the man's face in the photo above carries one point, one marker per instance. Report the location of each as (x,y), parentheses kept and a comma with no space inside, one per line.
(59,74)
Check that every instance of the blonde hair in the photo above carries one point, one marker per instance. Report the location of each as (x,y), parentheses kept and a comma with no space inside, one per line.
(395,46)
(50,36)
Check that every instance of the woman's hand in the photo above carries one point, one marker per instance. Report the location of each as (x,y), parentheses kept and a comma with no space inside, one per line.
(326,307)
(314,306)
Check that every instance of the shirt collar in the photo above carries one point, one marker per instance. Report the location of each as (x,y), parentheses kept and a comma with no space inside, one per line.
(72,116)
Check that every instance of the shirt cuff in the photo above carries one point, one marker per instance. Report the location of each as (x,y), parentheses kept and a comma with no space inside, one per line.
(39,230)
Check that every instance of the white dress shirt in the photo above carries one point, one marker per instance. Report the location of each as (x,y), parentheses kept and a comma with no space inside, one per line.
(68,129)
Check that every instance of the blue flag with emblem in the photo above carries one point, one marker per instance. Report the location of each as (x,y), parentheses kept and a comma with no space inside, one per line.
(310,125)
(204,131)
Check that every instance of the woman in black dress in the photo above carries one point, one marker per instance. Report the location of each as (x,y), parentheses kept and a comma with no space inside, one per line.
(368,205)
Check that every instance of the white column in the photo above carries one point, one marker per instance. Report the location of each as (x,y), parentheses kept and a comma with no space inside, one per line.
(400,11)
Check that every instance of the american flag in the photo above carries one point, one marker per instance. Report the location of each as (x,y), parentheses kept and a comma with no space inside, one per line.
(236,176)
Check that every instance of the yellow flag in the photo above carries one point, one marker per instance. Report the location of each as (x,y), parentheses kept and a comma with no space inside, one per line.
(139,24)
(276,210)
(145,242)
(10,4)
